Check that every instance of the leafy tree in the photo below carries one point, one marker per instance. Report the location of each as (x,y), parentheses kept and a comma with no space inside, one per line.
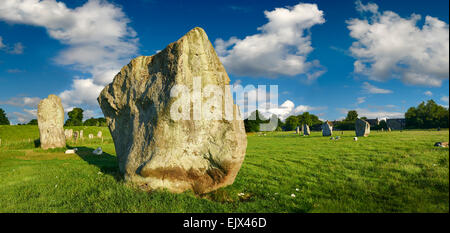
(253,125)
(429,115)
(352,115)
(75,117)
(33,122)
(3,118)
(95,122)
(291,123)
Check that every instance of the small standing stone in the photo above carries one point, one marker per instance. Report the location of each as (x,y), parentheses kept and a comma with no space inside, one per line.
(99,134)
(91,136)
(68,133)
(76,135)
(297,130)
(50,122)
(306,131)
(81,134)
(362,128)
(327,129)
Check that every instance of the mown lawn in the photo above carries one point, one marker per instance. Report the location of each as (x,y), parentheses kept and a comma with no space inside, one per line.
(385,172)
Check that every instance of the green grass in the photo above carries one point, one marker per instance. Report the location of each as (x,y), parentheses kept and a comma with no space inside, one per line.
(385,172)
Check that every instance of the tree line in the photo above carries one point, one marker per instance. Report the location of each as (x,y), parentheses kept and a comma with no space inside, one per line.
(424,116)
(75,118)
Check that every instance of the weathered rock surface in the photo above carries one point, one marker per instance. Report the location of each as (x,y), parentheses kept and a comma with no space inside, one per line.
(153,149)
(50,122)
(68,133)
(306,131)
(327,129)
(362,128)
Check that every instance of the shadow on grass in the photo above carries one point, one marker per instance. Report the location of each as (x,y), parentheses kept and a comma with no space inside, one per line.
(106,162)
(37,143)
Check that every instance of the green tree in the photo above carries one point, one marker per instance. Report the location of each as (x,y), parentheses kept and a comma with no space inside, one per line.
(75,117)
(33,122)
(291,123)
(425,116)
(3,118)
(252,122)
(352,115)
(91,122)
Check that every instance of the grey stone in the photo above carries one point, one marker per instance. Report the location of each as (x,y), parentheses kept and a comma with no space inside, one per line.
(362,128)
(327,129)
(153,149)
(306,131)
(50,122)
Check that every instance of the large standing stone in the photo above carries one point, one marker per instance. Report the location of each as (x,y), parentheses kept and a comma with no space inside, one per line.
(50,122)
(306,131)
(327,129)
(155,150)
(362,128)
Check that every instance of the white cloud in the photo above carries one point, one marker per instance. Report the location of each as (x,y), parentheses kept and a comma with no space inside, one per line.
(12,71)
(98,38)
(389,46)
(16,49)
(1,43)
(428,93)
(374,90)
(22,101)
(370,7)
(26,117)
(279,49)
(364,112)
(287,108)
(32,112)
(445,99)
(360,100)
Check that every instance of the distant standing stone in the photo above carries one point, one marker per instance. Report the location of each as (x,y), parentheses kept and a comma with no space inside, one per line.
(297,130)
(362,128)
(68,133)
(81,134)
(306,131)
(76,135)
(91,136)
(50,122)
(327,129)
(99,134)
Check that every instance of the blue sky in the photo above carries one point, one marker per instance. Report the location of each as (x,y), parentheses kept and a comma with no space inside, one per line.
(382,62)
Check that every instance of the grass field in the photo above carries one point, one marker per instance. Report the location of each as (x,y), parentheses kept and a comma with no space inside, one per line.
(385,172)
